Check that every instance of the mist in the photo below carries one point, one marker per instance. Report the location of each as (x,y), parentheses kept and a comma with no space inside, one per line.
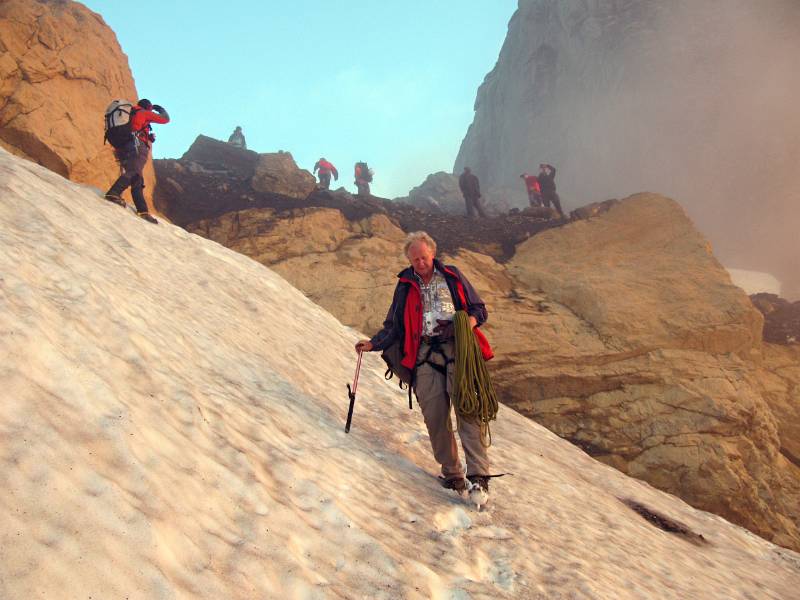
(694,100)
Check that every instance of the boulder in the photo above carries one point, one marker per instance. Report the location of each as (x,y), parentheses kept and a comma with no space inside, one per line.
(60,66)
(277,173)
(644,277)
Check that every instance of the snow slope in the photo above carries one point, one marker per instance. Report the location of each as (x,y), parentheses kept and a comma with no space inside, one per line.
(171,426)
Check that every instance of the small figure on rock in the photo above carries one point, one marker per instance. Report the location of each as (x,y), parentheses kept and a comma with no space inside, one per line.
(237,138)
(547,181)
(325,169)
(128,130)
(533,188)
(471,190)
(363,176)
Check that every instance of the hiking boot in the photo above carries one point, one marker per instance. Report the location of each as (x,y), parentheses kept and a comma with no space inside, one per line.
(478,489)
(458,484)
(148,217)
(115,199)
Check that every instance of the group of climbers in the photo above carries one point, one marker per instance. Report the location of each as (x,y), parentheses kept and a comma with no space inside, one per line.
(361,172)
(542,188)
(128,129)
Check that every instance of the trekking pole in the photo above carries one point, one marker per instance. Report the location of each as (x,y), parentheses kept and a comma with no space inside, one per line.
(351,393)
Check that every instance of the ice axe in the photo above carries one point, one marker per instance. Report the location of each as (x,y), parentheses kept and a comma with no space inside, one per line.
(351,393)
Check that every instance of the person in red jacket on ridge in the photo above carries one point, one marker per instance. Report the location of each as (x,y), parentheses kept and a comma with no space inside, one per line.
(534,189)
(132,157)
(325,169)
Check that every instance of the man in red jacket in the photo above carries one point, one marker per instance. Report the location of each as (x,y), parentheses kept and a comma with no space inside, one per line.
(427,295)
(325,169)
(132,156)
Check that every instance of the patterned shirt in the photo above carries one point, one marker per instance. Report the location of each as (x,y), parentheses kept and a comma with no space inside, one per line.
(437,303)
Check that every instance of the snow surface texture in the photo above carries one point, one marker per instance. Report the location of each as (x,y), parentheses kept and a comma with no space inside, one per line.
(171,426)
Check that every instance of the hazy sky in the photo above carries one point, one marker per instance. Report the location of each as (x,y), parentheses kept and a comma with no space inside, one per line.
(392,83)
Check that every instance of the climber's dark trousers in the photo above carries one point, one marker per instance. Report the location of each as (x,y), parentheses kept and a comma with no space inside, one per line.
(552,197)
(132,160)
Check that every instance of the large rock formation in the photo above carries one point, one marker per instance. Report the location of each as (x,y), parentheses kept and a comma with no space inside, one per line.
(60,66)
(172,428)
(697,100)
(214,177)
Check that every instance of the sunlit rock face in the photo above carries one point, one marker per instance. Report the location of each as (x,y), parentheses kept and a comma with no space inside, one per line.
(60,67)
(695,100)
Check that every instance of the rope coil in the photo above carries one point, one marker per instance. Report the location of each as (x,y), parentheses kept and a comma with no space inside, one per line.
(474,397)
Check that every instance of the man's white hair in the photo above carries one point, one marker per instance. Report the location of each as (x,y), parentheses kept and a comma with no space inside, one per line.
(419,236)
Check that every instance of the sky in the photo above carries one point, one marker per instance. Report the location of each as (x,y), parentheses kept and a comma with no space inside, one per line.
(393,84)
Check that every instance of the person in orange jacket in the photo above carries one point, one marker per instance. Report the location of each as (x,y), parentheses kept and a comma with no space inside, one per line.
(534,189)
(363,177)
(325,169)
(132,156)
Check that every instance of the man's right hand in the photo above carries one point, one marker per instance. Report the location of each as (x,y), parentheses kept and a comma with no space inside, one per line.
(158,108)
(363,346)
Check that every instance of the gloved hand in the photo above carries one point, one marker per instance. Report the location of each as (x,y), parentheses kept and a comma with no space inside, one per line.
(158,108)
(444,329)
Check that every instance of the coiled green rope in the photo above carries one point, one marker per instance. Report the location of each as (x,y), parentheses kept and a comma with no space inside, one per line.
(474,397)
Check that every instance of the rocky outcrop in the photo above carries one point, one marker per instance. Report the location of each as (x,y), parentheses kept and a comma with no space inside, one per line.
(635,345)
(60,66)
(693,100)
(277,173)
(645,278)
(213,178)
(781,318)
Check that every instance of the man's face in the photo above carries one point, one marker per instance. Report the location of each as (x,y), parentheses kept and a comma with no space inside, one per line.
(421,258)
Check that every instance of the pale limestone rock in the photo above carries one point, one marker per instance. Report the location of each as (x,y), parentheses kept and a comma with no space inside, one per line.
(60,67)
(642,275)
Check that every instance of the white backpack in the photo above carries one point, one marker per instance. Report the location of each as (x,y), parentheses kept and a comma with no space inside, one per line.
(118,122)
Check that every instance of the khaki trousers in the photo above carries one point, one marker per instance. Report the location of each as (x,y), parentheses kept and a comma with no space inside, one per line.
(433,395)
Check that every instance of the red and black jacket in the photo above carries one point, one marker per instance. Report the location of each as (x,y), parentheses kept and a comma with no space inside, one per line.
(140,123)
(404,319)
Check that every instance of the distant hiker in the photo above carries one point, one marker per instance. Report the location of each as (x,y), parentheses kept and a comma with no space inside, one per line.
(547,181)
(533,188)
(131,140)
(237,138)
(471,190)
(325,169)
(434,307)
(363,175)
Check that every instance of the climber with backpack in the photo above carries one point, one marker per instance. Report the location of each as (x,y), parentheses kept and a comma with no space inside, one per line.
(363,175)
(129,132)
(326,169)
(434,320)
